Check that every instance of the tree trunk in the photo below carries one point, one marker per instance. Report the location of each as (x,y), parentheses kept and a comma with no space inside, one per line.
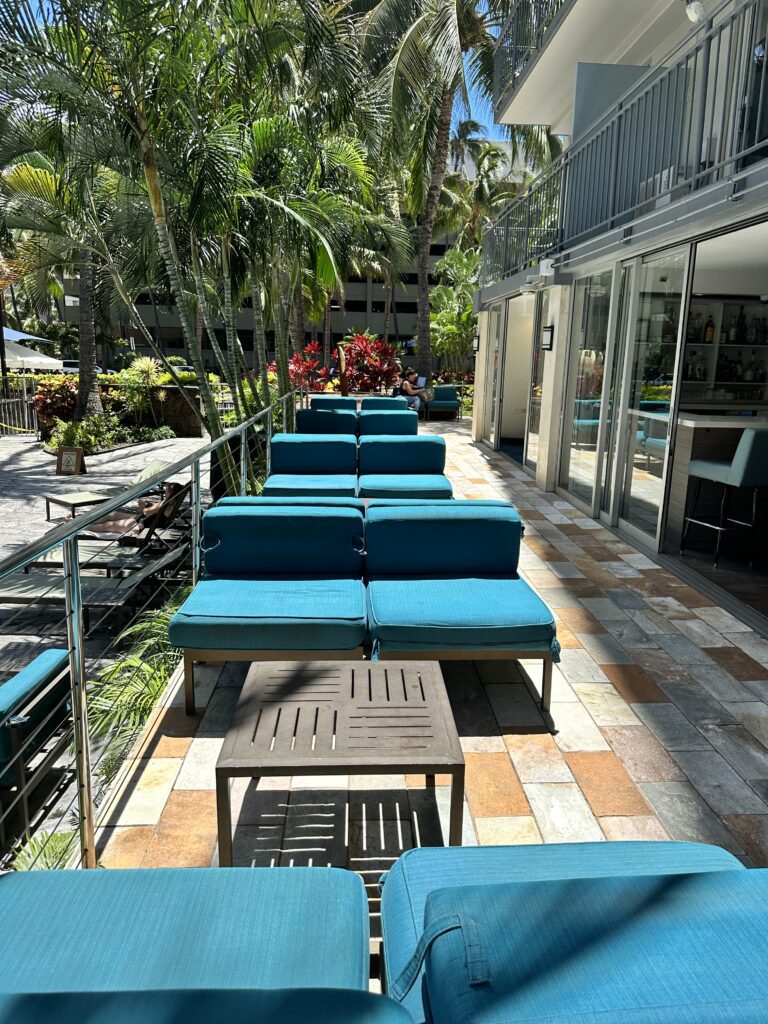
(394,316)
(387,311)
(205,312)
(261,357)
(297,320)
(327,337)
(88,398)
(426,227)
(237,363)
(15,306)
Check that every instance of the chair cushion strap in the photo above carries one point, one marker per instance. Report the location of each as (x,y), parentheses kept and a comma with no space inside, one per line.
(477,962)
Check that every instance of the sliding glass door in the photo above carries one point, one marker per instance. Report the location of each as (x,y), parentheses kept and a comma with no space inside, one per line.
(533,425)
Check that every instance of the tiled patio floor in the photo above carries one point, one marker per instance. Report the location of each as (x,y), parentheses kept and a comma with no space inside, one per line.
(659,725)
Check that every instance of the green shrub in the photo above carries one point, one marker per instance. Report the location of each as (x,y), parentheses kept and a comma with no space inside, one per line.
(96,433)
(144,435)
(55,399)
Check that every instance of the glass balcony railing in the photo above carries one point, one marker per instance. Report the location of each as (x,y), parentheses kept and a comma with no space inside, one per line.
(521,37)
(697,119)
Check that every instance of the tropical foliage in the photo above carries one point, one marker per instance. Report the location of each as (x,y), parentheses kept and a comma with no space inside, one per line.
(454,324)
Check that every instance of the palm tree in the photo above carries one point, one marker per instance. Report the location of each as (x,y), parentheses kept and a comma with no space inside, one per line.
(464,140)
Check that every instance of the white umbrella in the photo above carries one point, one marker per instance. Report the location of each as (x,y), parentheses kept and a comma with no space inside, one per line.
(19,357)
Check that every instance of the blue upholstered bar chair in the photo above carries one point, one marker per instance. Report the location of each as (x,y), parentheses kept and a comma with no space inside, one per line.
(748,468)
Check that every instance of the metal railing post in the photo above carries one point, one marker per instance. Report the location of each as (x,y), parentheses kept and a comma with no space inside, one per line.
(283,411)
(76,644)
(269,440)
(700,117)
(243,461)
(196,517)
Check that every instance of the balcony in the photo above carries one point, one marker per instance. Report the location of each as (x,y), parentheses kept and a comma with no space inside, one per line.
(696,123)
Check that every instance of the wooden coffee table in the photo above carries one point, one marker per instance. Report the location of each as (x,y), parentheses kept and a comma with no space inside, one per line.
(339,718)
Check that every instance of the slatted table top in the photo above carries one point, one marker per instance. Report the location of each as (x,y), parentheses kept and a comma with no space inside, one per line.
(337,716)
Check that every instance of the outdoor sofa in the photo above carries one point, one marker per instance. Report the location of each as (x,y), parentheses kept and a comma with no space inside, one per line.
(378,467)
(379,402)
(333,402)
(346,421)
(326,421)
(404,422)
(446,400)
(419,580)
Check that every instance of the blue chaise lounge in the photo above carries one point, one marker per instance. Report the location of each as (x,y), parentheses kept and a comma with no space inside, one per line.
(279,582)
(326,421)
(403,422)
(443,583)
(380,402)
(312,464)
(403,467)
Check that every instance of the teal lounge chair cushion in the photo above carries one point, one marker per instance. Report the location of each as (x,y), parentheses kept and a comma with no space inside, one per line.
(388,421)
(19,690)
(196,928)
(402,455)
(384,402)
(315,454)
(299,501)
(445,614)
(272,615)
(326,421)
(419,872)
(446,399)
(333,402)
(288,1006)
(684,948)
(310,485)
(273,541)
(405,485)
(447,539)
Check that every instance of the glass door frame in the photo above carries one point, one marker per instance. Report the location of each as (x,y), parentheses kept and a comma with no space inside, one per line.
(494,443)
(619,468)
(569,393)
(535,350)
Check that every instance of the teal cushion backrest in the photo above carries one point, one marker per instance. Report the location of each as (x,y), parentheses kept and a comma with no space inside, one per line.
(652,948)
(330,501)
(750,463)
(442,540)
(317,454)
(384,402)
(290,541)
(326,421)
(446,393)
(203,1006)
(388,421)
(333,402)
(402,455)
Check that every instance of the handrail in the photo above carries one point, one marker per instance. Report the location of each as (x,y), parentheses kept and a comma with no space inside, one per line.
(600,154)
(54,538)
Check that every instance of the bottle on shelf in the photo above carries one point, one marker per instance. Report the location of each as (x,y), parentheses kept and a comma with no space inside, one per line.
(754,331)
(738,370)
(732,331)
(741,328)
(750,369)
(709,331)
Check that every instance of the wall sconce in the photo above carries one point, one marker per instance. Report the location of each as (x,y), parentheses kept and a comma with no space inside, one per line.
(695,11)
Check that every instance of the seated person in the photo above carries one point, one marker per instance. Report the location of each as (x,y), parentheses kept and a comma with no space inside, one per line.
(409,388)
(124,523)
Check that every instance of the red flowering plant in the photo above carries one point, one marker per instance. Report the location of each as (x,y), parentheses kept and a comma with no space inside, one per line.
(304,368)
(372,363)
(55,399)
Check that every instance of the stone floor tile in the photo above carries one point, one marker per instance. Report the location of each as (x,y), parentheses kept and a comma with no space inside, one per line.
(753,715)
(219,712)
(173,849)
(652,622)
(562,814)
(561,688)
(722,620)
(252,804)
(502,671)
(605,783)
(171,735)
(719,683)
(739,663)
(559,598)
(462,681)
(513,706)
(190,811)
(581,667)
(320,782)
(145,795)
(639,561)
(603,608)
(697,705)
(579,620)
(124,846)
(622,571)
(700,633)
(629,634)
(604,649)
(670,727)
(576,729)
(669,607)
(419,781)
(315,833)
(682,650)
(514,831)
(605,705)
(740,749)
(634,684)
(753,645)
(492,787)
(568,641)
(626,599)
(686,816)
(537,758)
(430,818)
(642,755)
(660,666)
(751,831)
(384,781)
(257,846)
(723,789)
(206,677)
(635,829)
(199,768)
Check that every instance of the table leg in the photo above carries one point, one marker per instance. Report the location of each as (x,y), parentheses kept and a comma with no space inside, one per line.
(457,807)
(224,819)
(47,511)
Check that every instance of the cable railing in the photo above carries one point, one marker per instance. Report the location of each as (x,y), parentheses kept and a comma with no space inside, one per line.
(98,599)
(697,119)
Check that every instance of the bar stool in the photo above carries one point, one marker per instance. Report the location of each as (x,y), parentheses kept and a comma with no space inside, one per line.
(748,468)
